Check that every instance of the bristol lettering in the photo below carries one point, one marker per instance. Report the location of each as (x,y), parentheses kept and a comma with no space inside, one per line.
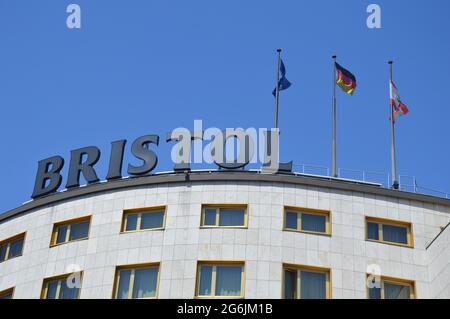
(255,146)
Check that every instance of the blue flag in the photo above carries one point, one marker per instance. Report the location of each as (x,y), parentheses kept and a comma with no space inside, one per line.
(283,83)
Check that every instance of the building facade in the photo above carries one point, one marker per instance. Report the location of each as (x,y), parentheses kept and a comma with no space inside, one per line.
(227,234)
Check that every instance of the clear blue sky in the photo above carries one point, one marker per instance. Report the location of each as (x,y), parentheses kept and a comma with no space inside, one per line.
(142,67)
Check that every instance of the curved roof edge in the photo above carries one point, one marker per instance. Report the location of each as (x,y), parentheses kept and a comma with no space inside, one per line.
(225,175)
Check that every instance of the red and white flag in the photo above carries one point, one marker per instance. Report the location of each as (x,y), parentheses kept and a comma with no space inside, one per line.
(398,106)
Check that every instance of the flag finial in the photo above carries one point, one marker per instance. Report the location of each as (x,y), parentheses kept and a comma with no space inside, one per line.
(390,62)
(278,50)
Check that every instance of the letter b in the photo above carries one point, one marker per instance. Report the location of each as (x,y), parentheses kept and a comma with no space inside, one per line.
(48,171)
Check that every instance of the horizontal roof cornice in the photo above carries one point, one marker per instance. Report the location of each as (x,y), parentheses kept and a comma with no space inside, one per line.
(224,176)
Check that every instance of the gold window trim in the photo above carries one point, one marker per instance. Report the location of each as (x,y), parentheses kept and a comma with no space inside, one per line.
(395,281)
(46,281)
(309,211)
(132,268)
(297,268)
(8,241)
(223,206)
(392,222)
(68,223)
(7,292)
(139,212)
(214,264)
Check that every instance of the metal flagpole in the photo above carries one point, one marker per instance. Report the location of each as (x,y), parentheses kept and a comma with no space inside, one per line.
(333,144)
(394,164)
(277,89)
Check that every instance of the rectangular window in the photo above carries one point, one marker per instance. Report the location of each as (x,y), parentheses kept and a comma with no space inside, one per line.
(136,282)
(307,220)
(70,230)
(11,247)
(389,231)
(390,288)
(7,294)
(152,218)
(222,280)
(62,287)
(302,282)
(227,216)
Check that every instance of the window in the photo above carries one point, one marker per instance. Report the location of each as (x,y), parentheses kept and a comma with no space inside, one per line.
(389,231)
(222,280)
(307,220)
(389,288)
(11,247)
(62,287)
(224,216)
(7,294)
(151,218)
(71,230)
(304,282)
(133,282)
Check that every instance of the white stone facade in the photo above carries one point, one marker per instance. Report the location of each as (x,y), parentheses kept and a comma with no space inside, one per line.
(263,246)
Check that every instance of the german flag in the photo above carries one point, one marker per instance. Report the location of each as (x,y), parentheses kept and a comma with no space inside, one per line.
(345,79)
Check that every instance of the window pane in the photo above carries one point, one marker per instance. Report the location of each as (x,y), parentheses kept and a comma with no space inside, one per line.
(124,284)
(374,293)
(393,291)
(131,222)
(152,220)
(67,292)
(290,284)
(372,231)
(313,285)
(228,280)
(51,289)
(205,281)
(210,217)
(231,217)
(7,296)
(79,230)
(145,282)
(3,252)
(316,223)
(373,285)
(395,234)
(291,220)
(15,248)
(62,231)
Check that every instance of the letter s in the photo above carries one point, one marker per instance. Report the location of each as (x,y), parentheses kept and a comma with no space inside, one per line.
(140,151)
